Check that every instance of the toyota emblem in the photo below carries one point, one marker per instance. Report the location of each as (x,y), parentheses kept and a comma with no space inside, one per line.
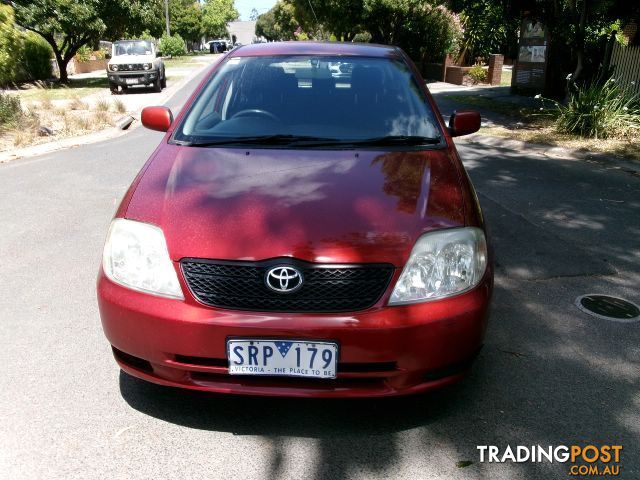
(283,279)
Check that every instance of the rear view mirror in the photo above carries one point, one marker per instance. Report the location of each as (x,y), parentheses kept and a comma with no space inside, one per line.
(157,118)
(464,122)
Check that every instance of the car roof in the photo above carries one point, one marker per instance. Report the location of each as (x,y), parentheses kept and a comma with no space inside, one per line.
(316,48)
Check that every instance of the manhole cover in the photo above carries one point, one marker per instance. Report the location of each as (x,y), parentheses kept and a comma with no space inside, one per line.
(608,308)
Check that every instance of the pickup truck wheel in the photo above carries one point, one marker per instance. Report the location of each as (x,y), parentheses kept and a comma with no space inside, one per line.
(114,88)
(157,85)
(164,79)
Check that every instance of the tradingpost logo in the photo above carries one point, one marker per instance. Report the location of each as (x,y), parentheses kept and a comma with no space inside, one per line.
(584,460)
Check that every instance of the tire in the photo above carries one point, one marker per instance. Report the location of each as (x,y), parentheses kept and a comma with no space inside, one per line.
(125,89)
(164,79)
(157,85)
(114,88)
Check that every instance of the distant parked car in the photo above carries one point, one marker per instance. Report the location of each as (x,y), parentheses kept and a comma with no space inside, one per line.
(135,62)
(217,46)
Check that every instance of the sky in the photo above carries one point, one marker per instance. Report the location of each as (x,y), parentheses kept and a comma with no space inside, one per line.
(244,7)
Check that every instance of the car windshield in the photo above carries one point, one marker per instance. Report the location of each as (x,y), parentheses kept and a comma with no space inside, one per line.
(310,100)
(132,47)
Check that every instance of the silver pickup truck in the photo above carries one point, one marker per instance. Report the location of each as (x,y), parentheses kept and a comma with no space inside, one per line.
(135,62)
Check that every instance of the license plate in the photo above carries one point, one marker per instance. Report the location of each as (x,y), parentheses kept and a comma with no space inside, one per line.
(132,81)
(288,358)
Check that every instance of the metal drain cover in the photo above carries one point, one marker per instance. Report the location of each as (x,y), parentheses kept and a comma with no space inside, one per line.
(608,308)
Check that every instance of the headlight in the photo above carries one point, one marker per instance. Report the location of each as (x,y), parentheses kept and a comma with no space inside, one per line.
(442,264)
(113,68)
(146,66)
(136,256)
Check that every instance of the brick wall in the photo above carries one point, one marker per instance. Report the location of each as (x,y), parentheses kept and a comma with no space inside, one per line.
(494,75)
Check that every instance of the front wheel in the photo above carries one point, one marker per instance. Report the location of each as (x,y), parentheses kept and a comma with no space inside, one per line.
(114,88)
(157,85)
(164,79)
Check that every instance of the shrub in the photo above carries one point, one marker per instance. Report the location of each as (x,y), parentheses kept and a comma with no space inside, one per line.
(10,110)
(10,43)
(478,74)
(364,37)
(35,59)
(600,111)
(172,46)
(84,53)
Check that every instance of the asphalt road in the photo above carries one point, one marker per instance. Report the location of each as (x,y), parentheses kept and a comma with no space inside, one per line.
(548,375)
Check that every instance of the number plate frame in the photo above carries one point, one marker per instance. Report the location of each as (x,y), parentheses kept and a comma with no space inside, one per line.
(287,361)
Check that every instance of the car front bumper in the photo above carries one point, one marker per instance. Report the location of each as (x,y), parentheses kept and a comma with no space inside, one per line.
(129,79)
(384,350)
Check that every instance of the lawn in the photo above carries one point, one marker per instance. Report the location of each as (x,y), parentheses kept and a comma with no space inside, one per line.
(183,62)
(505,79)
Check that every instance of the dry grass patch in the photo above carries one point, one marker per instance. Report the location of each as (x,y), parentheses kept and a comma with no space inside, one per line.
(77,104)
(547,135)
(103,105)
(119,106)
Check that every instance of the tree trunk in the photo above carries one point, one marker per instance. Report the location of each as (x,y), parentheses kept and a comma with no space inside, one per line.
(62,66)
(580,34)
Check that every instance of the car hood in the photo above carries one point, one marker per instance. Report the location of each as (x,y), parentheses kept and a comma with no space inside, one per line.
(122,59)
(319,206)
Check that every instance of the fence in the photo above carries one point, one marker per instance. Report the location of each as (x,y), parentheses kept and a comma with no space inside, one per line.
(626,62)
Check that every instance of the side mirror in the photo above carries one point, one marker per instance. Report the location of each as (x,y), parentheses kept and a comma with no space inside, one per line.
(464,122)
(158,54)
(157,118)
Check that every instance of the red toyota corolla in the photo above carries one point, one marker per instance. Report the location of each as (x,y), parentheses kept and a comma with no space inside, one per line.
(305,228)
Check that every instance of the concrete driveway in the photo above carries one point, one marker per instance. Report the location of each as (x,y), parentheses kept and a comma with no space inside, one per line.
(548,375)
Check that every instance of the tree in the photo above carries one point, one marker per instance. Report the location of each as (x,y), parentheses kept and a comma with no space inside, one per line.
(215,16)
(185,19)
(253,16)
(343,18)
(67,25)
(279,23)
(577,32)
(490,26)
(424,29)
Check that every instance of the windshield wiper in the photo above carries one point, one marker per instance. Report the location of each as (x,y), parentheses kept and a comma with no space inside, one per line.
(255,140)
(386,141)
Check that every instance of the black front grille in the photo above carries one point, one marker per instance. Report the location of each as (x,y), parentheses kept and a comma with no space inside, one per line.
(326,288)
(130,67)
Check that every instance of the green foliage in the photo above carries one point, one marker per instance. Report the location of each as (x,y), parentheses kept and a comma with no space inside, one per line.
(35,58)
(600,111)
(186,19)
(279,23)
(364,37)
(84,53)
(425,30)
(10,110)
(173,46)
(9,46)
(488,27)
(215,16)
(477,74)
(23,56)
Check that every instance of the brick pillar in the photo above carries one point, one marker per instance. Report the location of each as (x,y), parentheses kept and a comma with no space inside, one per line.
(495,69)
(448,61)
